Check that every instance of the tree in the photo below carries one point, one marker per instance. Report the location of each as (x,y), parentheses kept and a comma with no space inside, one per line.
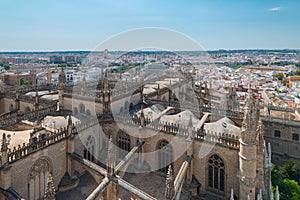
(290,170)
(289,189)
(22,82)
(279,76)
(6,65)
(297,73)
(61,65)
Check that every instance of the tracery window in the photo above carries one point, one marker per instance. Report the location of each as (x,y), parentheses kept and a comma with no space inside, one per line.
(81,108)
(216,173)
(37,179)
(124,144)
(89,148)
(165,155)
(295,137)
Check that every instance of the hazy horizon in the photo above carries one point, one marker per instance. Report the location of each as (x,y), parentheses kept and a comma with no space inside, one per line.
(81,25)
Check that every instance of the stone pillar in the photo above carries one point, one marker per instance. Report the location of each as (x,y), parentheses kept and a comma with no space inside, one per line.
(17,101)
(70,146)
(111,192)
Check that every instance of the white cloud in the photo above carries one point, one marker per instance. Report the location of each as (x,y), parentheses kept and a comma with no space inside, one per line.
(275,9)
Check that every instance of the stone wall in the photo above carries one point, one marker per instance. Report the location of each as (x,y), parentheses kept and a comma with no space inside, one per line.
(20,169)
(283,147)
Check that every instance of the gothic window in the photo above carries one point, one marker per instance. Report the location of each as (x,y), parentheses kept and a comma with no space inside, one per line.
(81,108)
(295,137)
(165,155)
(89,148)
(216,173)
(126,105)
(11,108)
(124,143)
(27,109)
(88,112)
(277,133)
(130,106)
(75,111)
(37,179)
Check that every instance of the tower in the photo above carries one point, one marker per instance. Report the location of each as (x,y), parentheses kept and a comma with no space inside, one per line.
(49,76)
(61,86)
(248,149)
(33,77)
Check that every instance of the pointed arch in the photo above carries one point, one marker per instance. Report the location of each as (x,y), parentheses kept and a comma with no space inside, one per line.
(11,108)
(37,178)
(165,155)
(81,108)
(216,173)
(89,148)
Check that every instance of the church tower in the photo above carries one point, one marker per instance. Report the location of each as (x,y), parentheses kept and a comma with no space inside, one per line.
(248,149)
(61,86)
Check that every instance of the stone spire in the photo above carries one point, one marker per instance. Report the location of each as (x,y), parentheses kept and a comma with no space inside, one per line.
(169,184)
(50,190)
(267,156)
(231,194)
(277,193)
(271,191)
(70,125)
(4,143)
(158,92)
(105,82)
(83,86)
(61,86)
(69,120)
(142,118)
(62,79)
(49,76)
(258,197)
(251,118)
(248,197)
(110,159)
(17,101)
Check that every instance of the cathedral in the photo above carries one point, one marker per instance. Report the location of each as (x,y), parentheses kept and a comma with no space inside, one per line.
(132,140)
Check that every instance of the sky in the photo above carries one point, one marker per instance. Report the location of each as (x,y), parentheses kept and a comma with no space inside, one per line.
(43,25)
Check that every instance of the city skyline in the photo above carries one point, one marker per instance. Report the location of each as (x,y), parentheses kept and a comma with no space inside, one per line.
(59,26)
